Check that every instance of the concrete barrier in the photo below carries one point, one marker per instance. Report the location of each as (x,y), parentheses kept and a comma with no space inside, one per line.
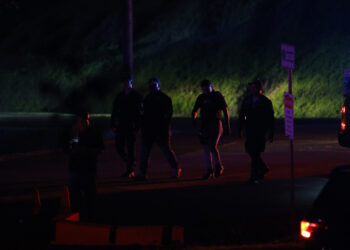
(82,234)
(139,235)
(71,231)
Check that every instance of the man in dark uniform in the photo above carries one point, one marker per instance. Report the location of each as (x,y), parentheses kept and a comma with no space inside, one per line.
(212,104)
(156,114)
(125,121)
(256,119)
(84,144)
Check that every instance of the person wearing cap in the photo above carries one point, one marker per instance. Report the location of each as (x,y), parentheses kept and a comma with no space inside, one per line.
(125,122)
(256,121)
(156,114)
(83,143)
(211,104)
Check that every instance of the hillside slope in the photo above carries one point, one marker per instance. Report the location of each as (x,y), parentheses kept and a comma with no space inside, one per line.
(59,56)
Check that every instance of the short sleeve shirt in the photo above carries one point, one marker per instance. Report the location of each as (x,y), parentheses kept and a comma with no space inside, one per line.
(210,105)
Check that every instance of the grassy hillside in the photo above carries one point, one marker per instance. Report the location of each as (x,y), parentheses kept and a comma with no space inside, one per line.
(59,56)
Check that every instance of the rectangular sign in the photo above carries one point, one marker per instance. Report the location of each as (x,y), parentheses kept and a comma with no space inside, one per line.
(289,115)
(288,48)
(287,56)
(347,82)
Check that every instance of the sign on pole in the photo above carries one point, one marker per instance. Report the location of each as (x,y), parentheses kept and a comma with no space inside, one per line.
(289,115)
(287,60)
(287,56)
(347,82)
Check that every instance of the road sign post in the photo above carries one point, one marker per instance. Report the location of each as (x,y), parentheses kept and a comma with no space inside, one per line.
(287,60)
(289,115)
(346,82)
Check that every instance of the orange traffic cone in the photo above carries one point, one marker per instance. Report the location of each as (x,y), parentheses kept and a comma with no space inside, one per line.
(65,202)
(37,202)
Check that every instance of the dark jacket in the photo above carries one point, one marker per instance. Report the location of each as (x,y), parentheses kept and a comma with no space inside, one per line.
(256,118)
(157,111)
(126,110)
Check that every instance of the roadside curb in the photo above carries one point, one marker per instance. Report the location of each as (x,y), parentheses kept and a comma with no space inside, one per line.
(71,231)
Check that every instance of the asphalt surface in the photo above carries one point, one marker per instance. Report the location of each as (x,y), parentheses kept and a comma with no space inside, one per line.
(222,212)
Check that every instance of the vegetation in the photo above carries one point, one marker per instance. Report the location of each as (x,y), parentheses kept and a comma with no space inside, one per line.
(60,56)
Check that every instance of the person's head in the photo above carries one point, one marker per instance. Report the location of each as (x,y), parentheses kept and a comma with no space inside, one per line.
(82,121)
(206,86)
(128,83)
(256,87)
(154,84)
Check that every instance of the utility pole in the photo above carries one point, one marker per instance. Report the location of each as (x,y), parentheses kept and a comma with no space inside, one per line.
(129,44)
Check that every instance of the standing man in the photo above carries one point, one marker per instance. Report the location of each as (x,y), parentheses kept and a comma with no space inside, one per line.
(125,121)
(256,119)
(212,104)
(156,114)
(84,144)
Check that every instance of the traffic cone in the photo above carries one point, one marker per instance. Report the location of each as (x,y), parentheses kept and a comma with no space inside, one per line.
(37,202)
(65,202)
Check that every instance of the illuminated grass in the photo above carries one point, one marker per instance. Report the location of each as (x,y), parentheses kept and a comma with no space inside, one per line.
(228,42)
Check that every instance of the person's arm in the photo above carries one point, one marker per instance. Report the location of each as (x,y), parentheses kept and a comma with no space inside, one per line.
(271,122)
(241,120)
(167,110)
(114,115)
(195,112)
(227,121)
(224,109)
(138,112)
(143,107)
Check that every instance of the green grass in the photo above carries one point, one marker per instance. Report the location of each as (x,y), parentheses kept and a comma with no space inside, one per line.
(228,42)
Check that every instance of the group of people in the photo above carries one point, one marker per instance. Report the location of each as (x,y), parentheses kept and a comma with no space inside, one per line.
(152,115)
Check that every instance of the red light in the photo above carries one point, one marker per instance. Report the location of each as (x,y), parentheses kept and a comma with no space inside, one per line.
(343,125)
(74,217)
(343,109)
(307,228)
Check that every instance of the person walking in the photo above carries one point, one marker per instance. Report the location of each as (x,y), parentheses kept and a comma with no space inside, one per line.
(156,114)
(83,145)
(256,121)
(211,104)
(125,122)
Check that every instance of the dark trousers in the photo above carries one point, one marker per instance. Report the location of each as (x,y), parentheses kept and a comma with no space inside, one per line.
(255,145)
(125,139)
(163,142)
(209,139)
(258,166)
(82,189)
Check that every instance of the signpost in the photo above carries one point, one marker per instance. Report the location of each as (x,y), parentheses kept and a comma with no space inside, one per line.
(287,60)
(346,82)
(289,115)
(288,52)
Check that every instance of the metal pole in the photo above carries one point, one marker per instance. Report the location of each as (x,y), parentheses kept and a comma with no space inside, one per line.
(129,60)
(292,184)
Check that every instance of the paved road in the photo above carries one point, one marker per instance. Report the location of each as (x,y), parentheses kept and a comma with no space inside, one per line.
(315,155)
(221,211)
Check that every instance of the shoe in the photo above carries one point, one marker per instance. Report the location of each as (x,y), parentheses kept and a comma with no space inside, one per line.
(219,171)
(129,174)
(253,181)
(265,170)
(176,173)
(208,175)
(262,173)
(140,177)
